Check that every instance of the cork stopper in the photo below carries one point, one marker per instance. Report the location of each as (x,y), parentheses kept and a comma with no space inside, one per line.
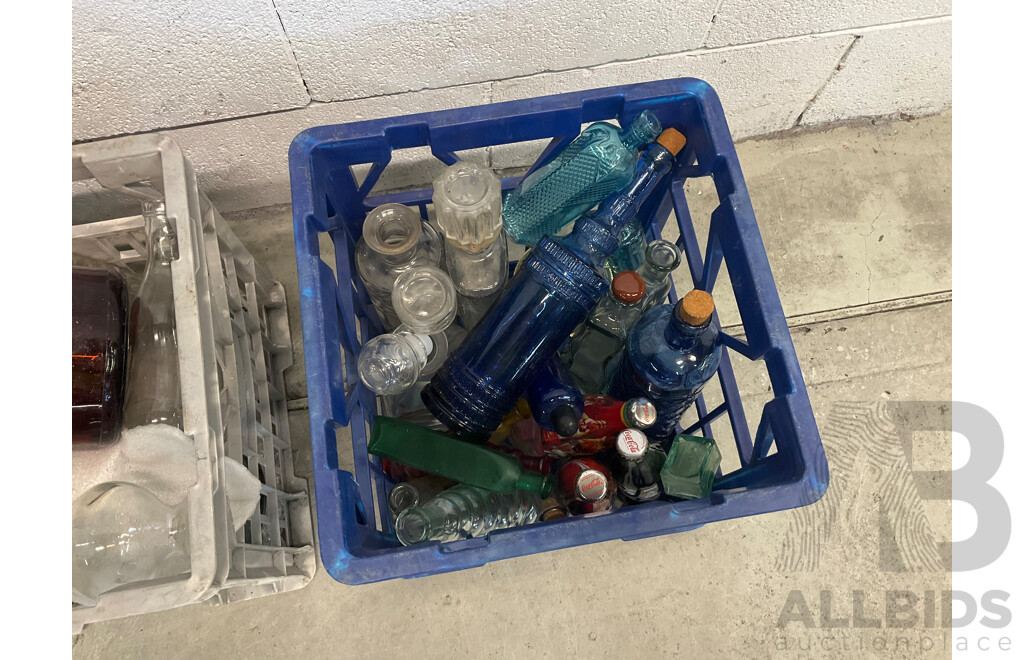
(695,308)
(628,286)
(672,140)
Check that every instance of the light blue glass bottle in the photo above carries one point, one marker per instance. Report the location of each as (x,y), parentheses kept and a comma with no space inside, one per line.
(632,248)
(670,354)
(554,289)
(598,163)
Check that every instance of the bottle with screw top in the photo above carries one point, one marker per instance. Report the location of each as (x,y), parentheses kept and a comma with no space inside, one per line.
(604,333)
(585,486)
(638,470)
(669,356)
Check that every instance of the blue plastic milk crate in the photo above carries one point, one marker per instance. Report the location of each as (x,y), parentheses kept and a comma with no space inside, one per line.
(357,542)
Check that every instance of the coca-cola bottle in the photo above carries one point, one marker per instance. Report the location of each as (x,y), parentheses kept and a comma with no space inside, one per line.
(585,486)
(638,470)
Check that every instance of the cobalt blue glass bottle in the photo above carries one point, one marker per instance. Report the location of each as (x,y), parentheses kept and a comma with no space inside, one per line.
(555,402)
(557,286)
(671,352)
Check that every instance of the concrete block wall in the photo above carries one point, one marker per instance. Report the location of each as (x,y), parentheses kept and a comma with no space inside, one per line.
(234,81)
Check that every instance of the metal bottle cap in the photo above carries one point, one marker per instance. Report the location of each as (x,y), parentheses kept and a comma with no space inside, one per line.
(640,413)
(631,444)
(591,485)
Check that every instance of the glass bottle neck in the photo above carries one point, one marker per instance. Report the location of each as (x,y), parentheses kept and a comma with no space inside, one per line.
(681,335)
(161,241)
(653,274)
(394,238)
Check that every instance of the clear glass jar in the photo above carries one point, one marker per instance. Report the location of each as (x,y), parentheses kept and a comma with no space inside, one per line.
(467,204)
(394,239)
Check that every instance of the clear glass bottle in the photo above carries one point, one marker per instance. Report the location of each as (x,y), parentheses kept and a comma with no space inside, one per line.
(415,492)
(638,471)
(690,469)
(153,388)
(554,289)
(662,257)
(554,400)
(467,206)
(389,364)
(120,534)
(394,239)
(598,163)
(603,335)
(424,299)
(466,512)
(670,354)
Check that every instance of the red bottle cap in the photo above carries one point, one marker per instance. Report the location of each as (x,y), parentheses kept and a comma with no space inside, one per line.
(628,286)
(631,444)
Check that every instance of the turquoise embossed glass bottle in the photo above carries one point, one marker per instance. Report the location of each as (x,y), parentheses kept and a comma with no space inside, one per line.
(598,163)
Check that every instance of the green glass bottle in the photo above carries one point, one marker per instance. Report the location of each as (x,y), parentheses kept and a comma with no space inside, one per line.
(690,468)
(437,453)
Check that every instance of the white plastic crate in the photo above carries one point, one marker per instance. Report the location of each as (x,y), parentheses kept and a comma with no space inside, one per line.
(234,345)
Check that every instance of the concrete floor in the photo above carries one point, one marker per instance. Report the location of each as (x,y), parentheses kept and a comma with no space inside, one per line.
(856,221)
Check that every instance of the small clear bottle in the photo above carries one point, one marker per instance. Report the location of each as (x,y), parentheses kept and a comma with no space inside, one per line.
(153,387)
(591,350)
(425,301)
(670,354)
(394,240)
(121,534)
(466,512)
(598,163)
(467,206)
(661,259)
(391,363)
